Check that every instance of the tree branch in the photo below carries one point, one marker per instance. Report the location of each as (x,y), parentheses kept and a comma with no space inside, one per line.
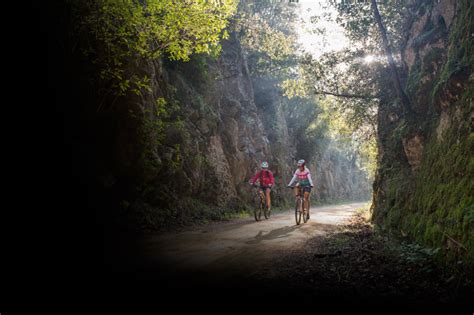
(396,79)
(346,95)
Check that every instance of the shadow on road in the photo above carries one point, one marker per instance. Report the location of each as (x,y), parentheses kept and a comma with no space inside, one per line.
(274,234)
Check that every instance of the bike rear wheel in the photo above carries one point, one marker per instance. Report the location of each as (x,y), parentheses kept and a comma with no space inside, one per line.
(298,210)
(266,212)
(306,213)
(258,208)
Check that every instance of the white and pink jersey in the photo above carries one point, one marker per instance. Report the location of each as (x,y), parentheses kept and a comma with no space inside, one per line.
(303,177)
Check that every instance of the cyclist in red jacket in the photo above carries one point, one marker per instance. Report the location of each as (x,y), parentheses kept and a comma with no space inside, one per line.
(266,180)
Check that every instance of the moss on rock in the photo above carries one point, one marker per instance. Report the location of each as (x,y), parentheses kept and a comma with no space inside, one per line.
(434,205)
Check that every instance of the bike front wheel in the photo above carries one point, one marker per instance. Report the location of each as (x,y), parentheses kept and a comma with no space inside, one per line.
(258,208)
(267,213)
(298,210)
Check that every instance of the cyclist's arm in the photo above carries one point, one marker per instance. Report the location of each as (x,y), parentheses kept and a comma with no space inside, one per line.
(254,178)
(292,180)
(310,180)
(272,179)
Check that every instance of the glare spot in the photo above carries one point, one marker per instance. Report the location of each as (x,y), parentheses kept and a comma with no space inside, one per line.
(369,59)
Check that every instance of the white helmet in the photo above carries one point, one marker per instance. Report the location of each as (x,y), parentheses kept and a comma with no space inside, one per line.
(301,162)
(264,165)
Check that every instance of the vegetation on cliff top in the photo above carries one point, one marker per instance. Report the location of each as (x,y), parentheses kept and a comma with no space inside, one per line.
(117,32)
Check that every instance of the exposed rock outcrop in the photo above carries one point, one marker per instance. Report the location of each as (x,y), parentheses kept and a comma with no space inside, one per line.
(425,179)
(186,149)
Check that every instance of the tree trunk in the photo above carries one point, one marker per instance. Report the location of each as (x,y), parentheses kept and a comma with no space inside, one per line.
(396,79)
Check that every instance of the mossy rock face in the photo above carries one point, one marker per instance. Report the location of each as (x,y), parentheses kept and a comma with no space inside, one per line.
(434,205)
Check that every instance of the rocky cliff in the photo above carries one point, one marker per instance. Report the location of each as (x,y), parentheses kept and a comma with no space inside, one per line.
(425,180)
(219,125)
(185,149)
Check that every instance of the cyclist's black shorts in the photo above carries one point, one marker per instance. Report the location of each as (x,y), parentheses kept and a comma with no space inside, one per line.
(306,189)
(264,188)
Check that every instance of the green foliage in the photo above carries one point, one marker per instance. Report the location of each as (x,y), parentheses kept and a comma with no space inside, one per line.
(266,31)
(152,125)
(358,84)
(416,253)
(368,157)
(357,18)
(260,37)
(340,73)
(294,88)
(312,139)
(121,32)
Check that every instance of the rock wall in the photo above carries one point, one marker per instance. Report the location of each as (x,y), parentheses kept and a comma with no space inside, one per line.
(425,179)
(195,161)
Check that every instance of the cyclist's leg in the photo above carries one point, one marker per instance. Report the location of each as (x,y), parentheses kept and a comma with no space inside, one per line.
(306,199)
(297,190)
(261,193)
(267,193)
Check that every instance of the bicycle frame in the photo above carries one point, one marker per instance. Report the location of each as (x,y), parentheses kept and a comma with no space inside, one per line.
(262,206)
(299,207)
(261,195)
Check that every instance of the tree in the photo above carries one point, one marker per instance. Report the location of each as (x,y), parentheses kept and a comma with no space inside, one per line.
(388,51)
(117,33)
(266,31)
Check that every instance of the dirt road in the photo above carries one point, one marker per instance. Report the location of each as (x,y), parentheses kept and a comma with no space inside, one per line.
(240,247)
(244,262)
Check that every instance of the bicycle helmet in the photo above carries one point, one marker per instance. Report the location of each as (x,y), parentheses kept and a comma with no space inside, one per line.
(264,165)
(301,162)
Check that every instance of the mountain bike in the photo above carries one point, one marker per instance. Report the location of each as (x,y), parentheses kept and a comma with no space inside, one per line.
(300,212)
(260,205)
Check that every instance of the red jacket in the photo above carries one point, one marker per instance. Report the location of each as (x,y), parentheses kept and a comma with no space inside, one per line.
(265,177)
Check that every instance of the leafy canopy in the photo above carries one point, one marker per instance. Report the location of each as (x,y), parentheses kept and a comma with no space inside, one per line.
(266,31)
(124,30)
